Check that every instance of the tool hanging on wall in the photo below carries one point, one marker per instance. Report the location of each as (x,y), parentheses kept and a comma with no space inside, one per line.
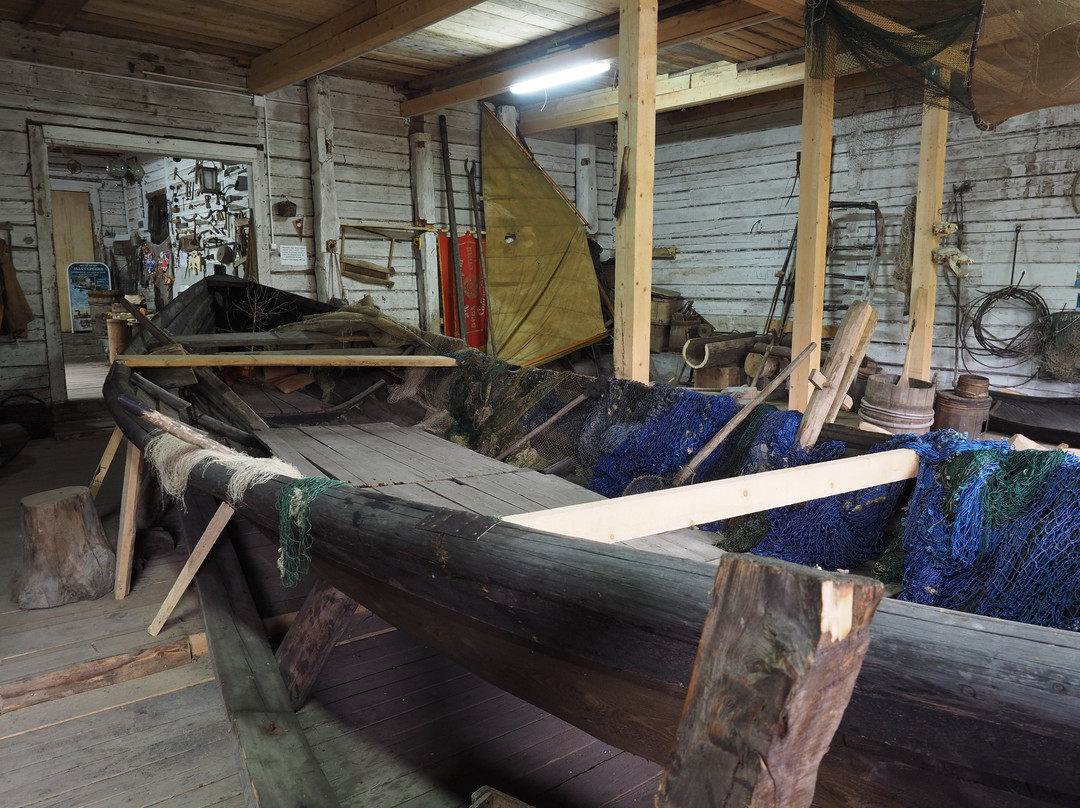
(455,255)
(478,226)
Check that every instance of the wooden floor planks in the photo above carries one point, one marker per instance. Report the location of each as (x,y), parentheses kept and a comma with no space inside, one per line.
(155,740)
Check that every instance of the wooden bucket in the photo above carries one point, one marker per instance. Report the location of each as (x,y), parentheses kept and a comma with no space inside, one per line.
(901,410)
(964,414)
(971,386)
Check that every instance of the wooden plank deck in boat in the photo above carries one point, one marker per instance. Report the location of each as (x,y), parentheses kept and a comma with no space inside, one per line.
(416,465)
(390,722)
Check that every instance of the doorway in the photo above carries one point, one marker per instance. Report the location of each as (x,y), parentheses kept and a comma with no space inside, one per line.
(85,362)
(47,139)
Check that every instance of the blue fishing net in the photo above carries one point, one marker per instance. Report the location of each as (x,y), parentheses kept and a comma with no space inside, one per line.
(672,431)
(986,529)
(994,531)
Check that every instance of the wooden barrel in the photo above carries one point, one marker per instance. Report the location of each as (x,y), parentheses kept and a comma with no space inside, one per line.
(965,414)
(901,410)
(101,301)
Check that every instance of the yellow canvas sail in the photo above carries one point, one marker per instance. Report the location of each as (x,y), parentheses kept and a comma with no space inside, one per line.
(542,287)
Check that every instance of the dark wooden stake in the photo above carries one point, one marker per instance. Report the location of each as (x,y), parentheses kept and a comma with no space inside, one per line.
(318,626)
(770,684)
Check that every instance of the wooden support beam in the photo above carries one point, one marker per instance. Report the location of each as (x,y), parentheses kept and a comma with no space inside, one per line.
(634,200)
(815,171)
(129,508)
(793,10)
(50,296)
(323,186)
(53,15)
(688,27)
(924,267)
(282,359)
(105,461)
(191,566)
(617,520)
(361,29)
(679,91)
(425,211)
(768,690)
(311,638)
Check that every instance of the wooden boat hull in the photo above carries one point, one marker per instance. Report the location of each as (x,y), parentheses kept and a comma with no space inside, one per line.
(605,636)
(1045,418)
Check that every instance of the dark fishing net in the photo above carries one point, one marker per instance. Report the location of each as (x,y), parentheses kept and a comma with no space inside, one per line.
(664,442)
(487,400)
(992,59)
(919,47)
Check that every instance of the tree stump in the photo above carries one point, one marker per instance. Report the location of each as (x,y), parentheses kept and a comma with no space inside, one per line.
(66,557)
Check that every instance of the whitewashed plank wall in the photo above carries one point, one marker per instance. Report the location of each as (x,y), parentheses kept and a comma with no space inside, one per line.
(726,195)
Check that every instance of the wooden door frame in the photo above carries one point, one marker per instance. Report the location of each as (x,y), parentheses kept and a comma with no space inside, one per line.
(42,136)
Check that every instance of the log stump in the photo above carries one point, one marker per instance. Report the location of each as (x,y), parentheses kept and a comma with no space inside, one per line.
(66,556)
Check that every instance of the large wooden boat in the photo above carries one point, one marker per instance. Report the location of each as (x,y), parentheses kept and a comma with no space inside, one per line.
(983,711)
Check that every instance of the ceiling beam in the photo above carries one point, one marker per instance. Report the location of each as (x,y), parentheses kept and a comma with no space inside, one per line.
(677,91)
(53,15)
(789,9)
(693,25)
(361,29)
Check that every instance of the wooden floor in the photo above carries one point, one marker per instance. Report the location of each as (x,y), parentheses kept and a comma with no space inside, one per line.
(390,722)
(155,740)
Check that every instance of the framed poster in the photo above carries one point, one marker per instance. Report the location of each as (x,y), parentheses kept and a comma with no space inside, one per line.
(84,277)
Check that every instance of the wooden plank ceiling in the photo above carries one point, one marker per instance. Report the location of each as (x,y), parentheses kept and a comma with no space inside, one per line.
(461,49)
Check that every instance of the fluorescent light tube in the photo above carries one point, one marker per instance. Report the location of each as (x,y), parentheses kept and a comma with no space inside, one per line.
(582,71)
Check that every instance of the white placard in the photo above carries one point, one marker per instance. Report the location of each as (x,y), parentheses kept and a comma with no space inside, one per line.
(293,255)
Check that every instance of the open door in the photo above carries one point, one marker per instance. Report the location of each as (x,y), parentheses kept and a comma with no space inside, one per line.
(73,240)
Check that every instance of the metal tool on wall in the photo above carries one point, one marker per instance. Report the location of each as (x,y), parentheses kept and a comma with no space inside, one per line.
(478,226)
(455,255)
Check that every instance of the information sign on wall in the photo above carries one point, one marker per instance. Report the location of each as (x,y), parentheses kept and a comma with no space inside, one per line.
(84,277)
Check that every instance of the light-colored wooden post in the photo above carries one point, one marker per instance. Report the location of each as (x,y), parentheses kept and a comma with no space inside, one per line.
(323,184)
(634,198)
(421,166)
(202,549)
(814,181)
(924,268)
(106,461)
(129,510)
(585,175)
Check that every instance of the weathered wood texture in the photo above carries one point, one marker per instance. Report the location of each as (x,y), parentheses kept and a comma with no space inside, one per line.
(134,466)
(275,762)
(322,620)
(66,556)
(724,196)
(769,689)
(92,675)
